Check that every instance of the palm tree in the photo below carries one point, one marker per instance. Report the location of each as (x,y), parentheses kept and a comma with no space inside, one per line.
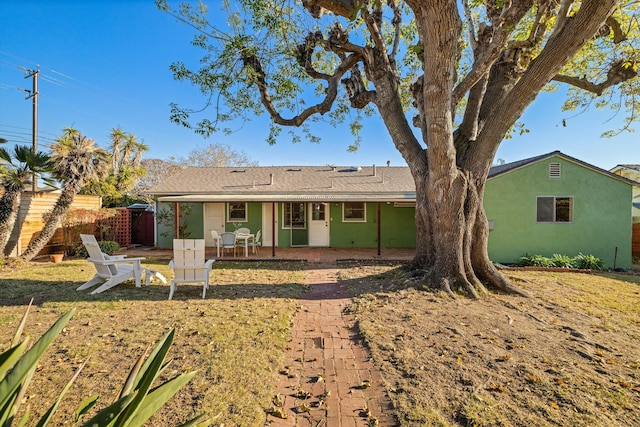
(16,173)
(76,160)
(140,148)
(118,136)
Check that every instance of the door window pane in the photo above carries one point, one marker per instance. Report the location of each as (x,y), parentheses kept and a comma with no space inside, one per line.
(318,212)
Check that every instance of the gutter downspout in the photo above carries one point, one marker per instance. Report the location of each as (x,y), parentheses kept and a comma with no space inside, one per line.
(273,229)
(379,218)
(176,207)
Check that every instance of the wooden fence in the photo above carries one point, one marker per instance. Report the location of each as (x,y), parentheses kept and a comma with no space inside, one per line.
(30,220)
(635,241)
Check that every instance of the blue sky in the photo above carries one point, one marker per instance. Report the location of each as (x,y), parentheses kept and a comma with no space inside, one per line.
(105,64)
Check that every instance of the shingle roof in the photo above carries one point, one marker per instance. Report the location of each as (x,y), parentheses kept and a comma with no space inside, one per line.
(291,183)
(501,169)
(321,181)
(634,167)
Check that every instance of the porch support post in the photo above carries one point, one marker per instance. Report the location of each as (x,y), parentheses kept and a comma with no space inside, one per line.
(176,209)
(379,219)
(273,229)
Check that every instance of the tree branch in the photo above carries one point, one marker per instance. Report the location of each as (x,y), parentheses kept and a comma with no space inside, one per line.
(345,8)
(490,44)
(470,24)
(619,72)
(563,16)
(396,22)
(618,35)
(559,49)
(252,62)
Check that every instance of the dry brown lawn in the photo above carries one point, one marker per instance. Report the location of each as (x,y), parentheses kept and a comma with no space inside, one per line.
(568,356)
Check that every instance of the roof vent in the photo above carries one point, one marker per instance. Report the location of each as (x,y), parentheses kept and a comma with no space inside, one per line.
(294,170)
(238,171)
(554,170)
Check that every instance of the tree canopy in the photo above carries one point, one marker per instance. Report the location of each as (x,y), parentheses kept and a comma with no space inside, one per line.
(124,170)
(296,62)
(448,78)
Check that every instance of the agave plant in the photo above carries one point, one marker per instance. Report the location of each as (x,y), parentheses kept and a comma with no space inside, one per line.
(137,400)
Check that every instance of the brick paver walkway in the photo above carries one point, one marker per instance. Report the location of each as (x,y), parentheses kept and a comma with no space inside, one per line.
(327,379)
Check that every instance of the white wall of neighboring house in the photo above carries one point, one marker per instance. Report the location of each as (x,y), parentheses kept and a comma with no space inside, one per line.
(632,172)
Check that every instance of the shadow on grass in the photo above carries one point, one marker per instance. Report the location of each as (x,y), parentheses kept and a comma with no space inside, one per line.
(45,282)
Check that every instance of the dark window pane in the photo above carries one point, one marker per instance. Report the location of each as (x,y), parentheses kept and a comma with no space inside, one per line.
(545,209)
(354,211)
(238,211)
(294,215)
(563,209)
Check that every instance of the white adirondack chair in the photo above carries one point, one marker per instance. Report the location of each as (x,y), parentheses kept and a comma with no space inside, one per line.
(188,264)
(112,270)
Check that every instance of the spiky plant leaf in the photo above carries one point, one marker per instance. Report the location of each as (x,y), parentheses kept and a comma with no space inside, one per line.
(11,357)
(194,422)
(147,375)
(23,322)
(158,397)
(84,407)
(44,420)
(109,415)
(20,371)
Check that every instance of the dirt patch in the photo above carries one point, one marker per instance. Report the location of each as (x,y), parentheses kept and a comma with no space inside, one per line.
(568,356)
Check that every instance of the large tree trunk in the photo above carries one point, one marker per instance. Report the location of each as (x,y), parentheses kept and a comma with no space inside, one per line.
(9,203)
(450,166)
(60,209)
(452,236)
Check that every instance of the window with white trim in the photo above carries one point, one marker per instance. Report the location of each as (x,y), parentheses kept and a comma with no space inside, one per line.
(554,209)
(354,212)
(237,212)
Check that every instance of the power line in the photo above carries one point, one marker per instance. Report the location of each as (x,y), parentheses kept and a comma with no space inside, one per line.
(24,138)
(24,128)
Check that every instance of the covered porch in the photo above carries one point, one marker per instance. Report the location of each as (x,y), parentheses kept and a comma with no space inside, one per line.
(306,254)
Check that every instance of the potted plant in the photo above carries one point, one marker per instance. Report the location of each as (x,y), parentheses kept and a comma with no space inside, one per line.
(56,258)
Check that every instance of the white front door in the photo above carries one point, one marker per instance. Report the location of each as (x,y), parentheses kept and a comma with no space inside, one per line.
(213,220)
(267,225)
(318,224)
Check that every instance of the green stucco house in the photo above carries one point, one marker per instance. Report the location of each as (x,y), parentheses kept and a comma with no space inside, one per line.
(556,204)
(544,205)
(318,206)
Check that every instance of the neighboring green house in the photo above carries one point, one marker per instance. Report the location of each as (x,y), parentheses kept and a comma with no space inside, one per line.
(556,204)
(543,205)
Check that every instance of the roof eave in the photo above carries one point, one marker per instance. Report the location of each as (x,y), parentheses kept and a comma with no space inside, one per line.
(330,197)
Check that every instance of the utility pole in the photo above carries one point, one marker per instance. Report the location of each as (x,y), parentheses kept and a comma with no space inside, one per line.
(34,95)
